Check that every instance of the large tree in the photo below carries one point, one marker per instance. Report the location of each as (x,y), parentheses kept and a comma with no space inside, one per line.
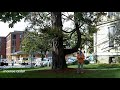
(40,23)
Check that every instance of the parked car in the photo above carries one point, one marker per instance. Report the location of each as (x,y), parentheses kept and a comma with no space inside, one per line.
(44,62)
(38,62)
(90,59)
(4,62)
(23,61)
(71,60)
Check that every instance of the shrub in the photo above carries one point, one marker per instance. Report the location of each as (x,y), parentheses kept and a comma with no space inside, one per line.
(86,62)
(117,59)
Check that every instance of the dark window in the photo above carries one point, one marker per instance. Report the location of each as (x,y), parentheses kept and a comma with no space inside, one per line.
(0,48)
(111,36)
(0,40)
(13,49)
(14,36)
(112,60)
(13,43)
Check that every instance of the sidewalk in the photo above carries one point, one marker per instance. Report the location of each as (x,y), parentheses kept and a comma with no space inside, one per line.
(15,66)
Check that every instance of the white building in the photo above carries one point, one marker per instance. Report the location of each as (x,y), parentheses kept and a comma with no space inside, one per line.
(106,49)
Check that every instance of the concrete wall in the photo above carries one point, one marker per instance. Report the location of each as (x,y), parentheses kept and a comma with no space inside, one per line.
(103,59)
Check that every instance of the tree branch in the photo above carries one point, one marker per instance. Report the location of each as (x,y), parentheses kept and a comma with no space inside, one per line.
(75,30)
(70,31)
(75,49)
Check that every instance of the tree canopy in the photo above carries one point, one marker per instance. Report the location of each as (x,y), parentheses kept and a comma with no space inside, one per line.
(34,42)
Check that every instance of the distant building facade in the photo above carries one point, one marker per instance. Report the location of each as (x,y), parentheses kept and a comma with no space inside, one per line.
(2,47)
(13,41)
(106,50)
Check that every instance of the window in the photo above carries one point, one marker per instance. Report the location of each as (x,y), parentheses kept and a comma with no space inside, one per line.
(20,36)
(13,43)
(112,60)
(14,36)
(111,35)
(13,49)
(111,14)
(0,43)
(0,40)
(0,48)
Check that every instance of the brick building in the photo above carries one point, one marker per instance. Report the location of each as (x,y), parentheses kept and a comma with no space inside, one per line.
(13,40)
(10,46)
(2,47)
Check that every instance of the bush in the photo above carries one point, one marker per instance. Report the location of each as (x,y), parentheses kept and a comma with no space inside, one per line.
(117,59)
(86,62)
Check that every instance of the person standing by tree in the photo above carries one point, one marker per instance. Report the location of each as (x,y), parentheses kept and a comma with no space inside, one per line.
(80,58)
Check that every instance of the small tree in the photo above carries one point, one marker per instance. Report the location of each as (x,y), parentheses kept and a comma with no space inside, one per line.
(34,43)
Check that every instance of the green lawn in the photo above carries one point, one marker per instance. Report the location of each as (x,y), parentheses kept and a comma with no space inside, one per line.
(39,74)
(98,66)
(92,71)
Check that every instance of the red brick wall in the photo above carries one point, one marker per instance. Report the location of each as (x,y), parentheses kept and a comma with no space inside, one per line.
(8,45)
(3,47)
(17,42)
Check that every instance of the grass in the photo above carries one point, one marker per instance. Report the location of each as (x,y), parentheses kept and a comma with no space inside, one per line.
(40,74)
(97,66)
(100,71)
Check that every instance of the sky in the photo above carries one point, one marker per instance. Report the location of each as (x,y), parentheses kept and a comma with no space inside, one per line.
(20,26)
(5,30)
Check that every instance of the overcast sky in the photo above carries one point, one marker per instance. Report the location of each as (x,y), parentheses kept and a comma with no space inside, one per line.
(5,30)
(20,26)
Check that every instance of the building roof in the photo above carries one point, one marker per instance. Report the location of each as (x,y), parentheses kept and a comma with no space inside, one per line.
(14,32)
(108,22)
(18,53)
(2,37)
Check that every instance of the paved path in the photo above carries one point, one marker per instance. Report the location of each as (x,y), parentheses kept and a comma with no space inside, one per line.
(15,66)
(28,66)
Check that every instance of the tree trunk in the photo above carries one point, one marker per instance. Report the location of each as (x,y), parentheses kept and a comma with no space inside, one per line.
(58,53)
(58,49)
